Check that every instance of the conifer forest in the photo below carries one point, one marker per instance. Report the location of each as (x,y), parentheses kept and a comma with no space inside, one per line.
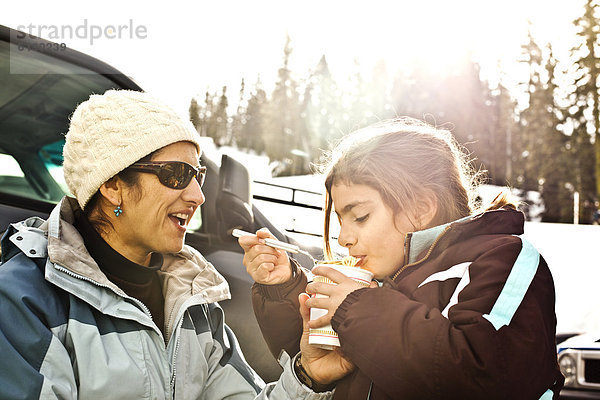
(551,144)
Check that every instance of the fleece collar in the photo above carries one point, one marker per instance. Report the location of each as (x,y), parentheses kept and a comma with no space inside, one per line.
(184,275)
(501,221)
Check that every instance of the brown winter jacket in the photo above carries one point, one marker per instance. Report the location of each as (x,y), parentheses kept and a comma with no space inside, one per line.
(469,315)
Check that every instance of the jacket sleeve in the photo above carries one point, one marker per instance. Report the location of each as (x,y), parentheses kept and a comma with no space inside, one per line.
(277,312)
(288,386)
(34,363)
(230,376)
(496,342)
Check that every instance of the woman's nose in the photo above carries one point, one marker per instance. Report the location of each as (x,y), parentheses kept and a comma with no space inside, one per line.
(193,193)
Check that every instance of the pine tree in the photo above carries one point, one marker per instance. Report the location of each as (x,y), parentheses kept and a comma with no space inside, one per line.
(408,94)
(287,140)
(239,118)
(464,101)
(457,100)
(554,168)
(502,126)
(355,102)
(323,112)
(205,113)
(378,97)
(586,98)
(532,120)
(218,124)
(255,124)
(194,112)
(547,162)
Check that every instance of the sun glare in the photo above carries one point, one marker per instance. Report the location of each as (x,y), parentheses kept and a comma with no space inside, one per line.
(431,35)
(440,36)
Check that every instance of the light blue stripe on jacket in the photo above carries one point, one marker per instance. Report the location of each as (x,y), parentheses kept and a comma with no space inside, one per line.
(516,286)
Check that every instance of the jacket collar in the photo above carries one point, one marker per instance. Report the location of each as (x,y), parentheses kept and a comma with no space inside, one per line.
(184,274)
(501,221)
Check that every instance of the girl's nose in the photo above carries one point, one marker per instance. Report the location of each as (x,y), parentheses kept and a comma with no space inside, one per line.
(345,238)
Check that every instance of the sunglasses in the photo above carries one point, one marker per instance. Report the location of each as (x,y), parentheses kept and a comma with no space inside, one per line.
(172,174)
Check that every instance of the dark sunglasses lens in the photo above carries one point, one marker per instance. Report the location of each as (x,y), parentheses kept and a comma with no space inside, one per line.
(176,175)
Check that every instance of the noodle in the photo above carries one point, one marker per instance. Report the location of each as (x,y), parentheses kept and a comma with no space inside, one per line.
(347,261)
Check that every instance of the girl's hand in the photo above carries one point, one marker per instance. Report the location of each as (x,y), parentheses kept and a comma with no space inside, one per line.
(323,366)
(263,263)
(336,293)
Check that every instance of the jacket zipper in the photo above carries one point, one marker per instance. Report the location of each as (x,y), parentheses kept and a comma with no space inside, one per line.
(176,349)
(407,240)
(173,359)
(84,278)
(406,247)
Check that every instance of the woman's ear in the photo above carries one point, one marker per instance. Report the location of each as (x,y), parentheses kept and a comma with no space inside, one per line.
(112,191)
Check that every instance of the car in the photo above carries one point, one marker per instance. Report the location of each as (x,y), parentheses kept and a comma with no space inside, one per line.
(579,360)
(42,84)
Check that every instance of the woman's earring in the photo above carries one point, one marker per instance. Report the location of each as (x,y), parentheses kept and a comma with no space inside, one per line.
(118,211)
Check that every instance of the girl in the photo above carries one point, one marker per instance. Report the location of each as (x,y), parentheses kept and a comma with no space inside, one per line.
(463,307)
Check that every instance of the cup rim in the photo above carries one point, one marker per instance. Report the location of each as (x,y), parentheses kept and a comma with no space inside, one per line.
(363,272)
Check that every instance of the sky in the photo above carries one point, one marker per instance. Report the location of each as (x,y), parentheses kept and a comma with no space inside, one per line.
(186,48)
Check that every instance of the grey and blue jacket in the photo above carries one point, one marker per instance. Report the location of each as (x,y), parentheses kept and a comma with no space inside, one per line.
(68,332)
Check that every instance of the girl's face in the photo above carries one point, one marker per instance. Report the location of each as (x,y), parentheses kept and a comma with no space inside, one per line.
(369,229)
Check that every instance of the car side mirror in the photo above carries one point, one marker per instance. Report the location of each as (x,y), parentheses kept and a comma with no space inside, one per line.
(234,200)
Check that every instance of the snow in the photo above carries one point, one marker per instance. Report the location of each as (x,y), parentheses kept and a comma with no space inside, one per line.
(571,254)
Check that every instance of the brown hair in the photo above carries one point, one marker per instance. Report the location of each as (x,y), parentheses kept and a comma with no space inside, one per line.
(405,159)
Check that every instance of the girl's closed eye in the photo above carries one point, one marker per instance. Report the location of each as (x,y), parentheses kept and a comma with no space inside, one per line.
(362,219)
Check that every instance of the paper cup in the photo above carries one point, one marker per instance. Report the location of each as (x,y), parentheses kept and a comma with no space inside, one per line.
(325,337)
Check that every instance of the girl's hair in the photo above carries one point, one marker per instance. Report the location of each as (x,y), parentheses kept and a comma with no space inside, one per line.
(405,159)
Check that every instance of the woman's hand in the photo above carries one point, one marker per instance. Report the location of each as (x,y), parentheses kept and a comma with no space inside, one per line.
(263,263)
(323,366)
(335,293)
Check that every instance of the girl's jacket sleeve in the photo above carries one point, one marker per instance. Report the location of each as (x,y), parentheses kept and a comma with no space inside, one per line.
(277,311)
(495,342)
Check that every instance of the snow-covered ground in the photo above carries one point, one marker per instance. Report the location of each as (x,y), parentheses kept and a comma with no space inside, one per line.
(571,252)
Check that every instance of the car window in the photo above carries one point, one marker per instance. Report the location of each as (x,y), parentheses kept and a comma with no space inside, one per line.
(12,178)
(36,176)
(52,160)
(39,93)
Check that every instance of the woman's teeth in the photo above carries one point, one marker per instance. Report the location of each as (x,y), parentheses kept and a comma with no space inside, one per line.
(181,217)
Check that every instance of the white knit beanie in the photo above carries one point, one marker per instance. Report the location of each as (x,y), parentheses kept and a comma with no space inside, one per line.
(110,132)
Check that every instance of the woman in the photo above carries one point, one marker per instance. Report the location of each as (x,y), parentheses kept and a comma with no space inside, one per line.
(463,307)
(104,300)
